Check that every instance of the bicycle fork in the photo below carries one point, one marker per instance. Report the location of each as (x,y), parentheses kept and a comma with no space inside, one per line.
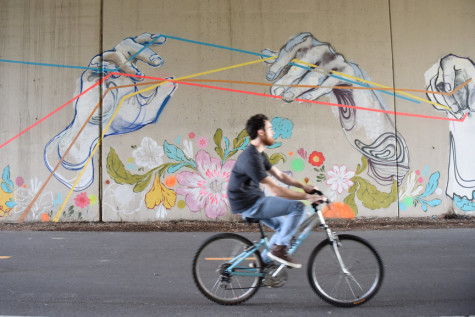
(335,242)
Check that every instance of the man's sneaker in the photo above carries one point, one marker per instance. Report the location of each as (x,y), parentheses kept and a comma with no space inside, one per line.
(280,254)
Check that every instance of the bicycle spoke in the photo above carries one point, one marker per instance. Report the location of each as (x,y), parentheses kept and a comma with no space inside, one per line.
(226,287)
(362,275)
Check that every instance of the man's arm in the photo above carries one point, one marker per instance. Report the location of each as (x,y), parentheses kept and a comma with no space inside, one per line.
(288,180)
(285,192)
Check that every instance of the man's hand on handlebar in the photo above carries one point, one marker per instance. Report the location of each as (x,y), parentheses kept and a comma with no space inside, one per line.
(314,195)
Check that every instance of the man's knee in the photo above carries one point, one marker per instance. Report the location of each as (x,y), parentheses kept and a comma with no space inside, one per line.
(299,207)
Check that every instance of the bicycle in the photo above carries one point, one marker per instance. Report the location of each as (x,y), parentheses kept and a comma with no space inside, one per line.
(343,270)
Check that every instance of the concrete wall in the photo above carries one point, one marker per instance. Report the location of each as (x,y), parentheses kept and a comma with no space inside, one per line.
(164,140)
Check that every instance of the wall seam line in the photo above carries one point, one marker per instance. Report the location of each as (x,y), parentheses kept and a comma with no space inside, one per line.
(100,159)
(394,102)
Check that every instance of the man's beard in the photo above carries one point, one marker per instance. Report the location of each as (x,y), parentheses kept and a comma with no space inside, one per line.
(268,141)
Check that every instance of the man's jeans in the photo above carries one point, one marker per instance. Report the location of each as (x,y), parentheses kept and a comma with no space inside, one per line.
(272,211)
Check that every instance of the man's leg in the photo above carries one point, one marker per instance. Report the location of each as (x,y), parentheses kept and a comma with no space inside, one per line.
(268,208)
(275,224)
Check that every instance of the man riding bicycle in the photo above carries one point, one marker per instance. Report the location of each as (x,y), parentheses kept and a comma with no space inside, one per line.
(252,168)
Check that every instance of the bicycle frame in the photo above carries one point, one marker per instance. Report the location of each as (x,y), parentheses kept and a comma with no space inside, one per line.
(303,231)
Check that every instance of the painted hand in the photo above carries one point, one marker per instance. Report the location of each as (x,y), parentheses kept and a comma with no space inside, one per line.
(445,76)
(371,133)
(451,72)
(136,109)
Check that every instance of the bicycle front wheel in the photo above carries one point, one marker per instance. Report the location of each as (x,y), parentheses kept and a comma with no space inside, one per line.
(213,280)
(352,282)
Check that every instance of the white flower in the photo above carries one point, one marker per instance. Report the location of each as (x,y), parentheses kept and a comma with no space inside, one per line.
(122,199)
(188,148)
(339,178)
(24,196)
(410,191)
(149,154)
(161,212)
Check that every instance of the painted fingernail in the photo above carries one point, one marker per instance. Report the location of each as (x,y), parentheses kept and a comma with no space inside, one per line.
(156,60)
(288,96)
(137,78)
(278,91)
(270,75)
(448,87)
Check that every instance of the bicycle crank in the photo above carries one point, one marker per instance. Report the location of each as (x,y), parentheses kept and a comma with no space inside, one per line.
(276,281)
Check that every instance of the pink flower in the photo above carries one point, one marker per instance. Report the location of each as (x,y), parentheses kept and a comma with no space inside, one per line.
(191,135)
(339,178)
(302,153)
(82,200)
(202,142)
(206,189)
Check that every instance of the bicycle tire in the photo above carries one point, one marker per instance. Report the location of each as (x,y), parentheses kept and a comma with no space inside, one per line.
(346,290)
(210,260)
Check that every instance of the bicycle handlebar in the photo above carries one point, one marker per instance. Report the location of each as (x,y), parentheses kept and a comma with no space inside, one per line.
(318,192)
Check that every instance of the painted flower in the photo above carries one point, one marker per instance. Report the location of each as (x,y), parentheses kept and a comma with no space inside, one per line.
(45,217)
(161,212)
(81,200)
(149,154)
(316,158)
(411,189)
(121,198)
(19,181)
(25,195)
(339,178)
(170,181)
(188,148)
(302,153)
(92,199)
(282,128)
(206,189)
(160,194)
(338,210)
(202,142)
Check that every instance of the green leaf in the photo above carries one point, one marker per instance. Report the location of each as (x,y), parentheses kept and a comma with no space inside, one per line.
(218,136)
(350,199)
(117,171)
(371,197)
(140,186)
(363,166)
(240,139)
(275,158)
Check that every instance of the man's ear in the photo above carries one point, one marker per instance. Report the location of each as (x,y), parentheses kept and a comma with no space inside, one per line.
(260,132)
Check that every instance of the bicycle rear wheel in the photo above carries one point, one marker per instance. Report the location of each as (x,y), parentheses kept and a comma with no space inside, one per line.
(210,264)
(365,271)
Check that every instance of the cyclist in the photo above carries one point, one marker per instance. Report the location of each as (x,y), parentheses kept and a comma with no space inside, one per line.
(252,168)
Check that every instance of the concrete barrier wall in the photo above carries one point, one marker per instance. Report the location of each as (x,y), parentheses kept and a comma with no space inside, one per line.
(168,147)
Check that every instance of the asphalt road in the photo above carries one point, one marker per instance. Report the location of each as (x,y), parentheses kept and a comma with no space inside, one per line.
(428,273)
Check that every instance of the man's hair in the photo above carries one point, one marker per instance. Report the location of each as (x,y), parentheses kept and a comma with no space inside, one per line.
(254,124)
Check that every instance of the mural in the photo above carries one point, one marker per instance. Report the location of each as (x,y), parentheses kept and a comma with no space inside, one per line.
(451,72)
(160,175)
(370,133)
(135,113)
(200,178)
(385,152)
(16,196)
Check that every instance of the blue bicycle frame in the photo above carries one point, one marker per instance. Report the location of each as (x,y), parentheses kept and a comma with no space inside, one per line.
(304,231)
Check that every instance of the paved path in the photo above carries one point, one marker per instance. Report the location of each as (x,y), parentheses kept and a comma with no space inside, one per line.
(428,273)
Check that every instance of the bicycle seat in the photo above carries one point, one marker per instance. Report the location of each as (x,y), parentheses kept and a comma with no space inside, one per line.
(251,220)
